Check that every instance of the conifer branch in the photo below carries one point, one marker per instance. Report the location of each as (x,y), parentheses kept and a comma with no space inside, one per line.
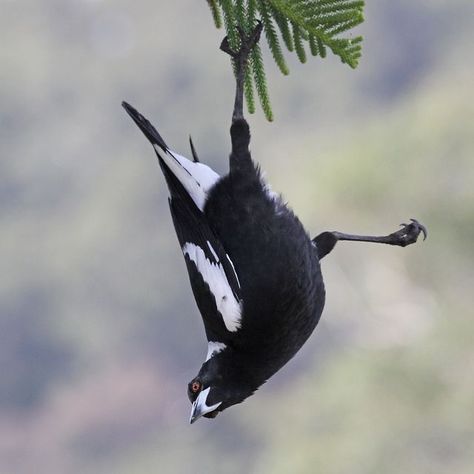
(261,82)
(251,21)
(317,22)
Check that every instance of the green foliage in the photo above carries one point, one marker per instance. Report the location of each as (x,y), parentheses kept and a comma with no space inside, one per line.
(315,22)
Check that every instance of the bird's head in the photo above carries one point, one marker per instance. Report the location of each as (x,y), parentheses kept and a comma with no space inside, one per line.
(217,386)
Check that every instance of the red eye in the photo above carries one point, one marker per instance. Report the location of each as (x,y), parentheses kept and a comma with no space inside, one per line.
(195,387)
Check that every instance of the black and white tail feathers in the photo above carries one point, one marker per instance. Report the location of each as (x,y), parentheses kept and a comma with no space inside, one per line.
(145,126)
(196,178)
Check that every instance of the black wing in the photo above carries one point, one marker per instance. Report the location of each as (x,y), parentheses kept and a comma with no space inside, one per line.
(213,278)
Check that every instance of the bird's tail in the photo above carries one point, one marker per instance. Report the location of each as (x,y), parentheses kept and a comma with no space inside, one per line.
(196,178)
(145,126)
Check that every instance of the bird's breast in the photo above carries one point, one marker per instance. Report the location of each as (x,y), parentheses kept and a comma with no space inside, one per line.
(278,269)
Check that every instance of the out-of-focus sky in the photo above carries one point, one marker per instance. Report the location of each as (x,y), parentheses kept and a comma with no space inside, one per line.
(99,333)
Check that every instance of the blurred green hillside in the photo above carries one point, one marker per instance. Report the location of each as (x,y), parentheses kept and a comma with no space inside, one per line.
(99,333)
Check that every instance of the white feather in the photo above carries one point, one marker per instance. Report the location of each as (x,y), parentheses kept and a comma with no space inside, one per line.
(196,178)
(214,348)
(233,268)
(213,251)
(213,274)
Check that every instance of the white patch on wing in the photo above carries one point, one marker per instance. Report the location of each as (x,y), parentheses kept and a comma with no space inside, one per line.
(214,275)
(233,268)
(214,348)
(213,251)
(197,178)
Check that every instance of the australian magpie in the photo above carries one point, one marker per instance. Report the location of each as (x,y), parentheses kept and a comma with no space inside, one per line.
(253,268)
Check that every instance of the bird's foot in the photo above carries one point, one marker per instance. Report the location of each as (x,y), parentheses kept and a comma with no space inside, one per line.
(240,59)
(409,233)
(247,42)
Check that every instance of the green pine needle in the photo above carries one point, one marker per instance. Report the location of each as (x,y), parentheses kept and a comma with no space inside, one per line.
(313,45)
(285,32)
(248,89)
(261,82)
(240,14)
(272,37)
(298,40)
(294,22)
(230,22)
(216,14)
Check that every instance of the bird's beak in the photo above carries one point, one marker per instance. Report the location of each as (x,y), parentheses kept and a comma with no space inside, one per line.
(200,406)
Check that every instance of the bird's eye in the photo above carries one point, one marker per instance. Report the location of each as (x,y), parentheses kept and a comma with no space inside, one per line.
(194,388)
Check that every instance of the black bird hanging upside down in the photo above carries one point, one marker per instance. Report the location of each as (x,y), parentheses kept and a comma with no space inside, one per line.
(254,270)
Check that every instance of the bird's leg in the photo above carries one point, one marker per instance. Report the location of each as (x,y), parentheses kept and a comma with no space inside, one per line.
(407,235)
(240,60)
(240,160)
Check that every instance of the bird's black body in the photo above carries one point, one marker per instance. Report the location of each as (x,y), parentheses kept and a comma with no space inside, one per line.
(268,262)
(277,263)
(254,270)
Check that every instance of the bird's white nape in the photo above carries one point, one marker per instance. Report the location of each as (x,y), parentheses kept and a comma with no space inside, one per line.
(214,348)
(197,178)
(214,275)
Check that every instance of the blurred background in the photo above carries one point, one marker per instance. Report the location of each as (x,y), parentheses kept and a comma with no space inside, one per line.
(99,333)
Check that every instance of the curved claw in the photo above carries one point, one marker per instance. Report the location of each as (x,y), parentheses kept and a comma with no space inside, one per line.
(421,227)
(410,232)
(255,36)
(225,47)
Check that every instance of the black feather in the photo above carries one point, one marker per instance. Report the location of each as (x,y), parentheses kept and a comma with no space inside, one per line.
(269,262)
(145,126)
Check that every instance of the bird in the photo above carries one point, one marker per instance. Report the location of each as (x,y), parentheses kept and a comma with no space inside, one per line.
(253,268)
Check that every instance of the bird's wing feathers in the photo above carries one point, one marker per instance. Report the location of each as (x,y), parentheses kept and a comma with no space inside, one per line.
(196,178)
(212,274)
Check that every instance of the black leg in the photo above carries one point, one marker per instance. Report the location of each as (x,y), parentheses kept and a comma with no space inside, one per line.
(240,160)
(407,235)
(240,59)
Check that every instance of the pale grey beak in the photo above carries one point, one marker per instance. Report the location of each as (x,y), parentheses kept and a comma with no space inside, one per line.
(200,406)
